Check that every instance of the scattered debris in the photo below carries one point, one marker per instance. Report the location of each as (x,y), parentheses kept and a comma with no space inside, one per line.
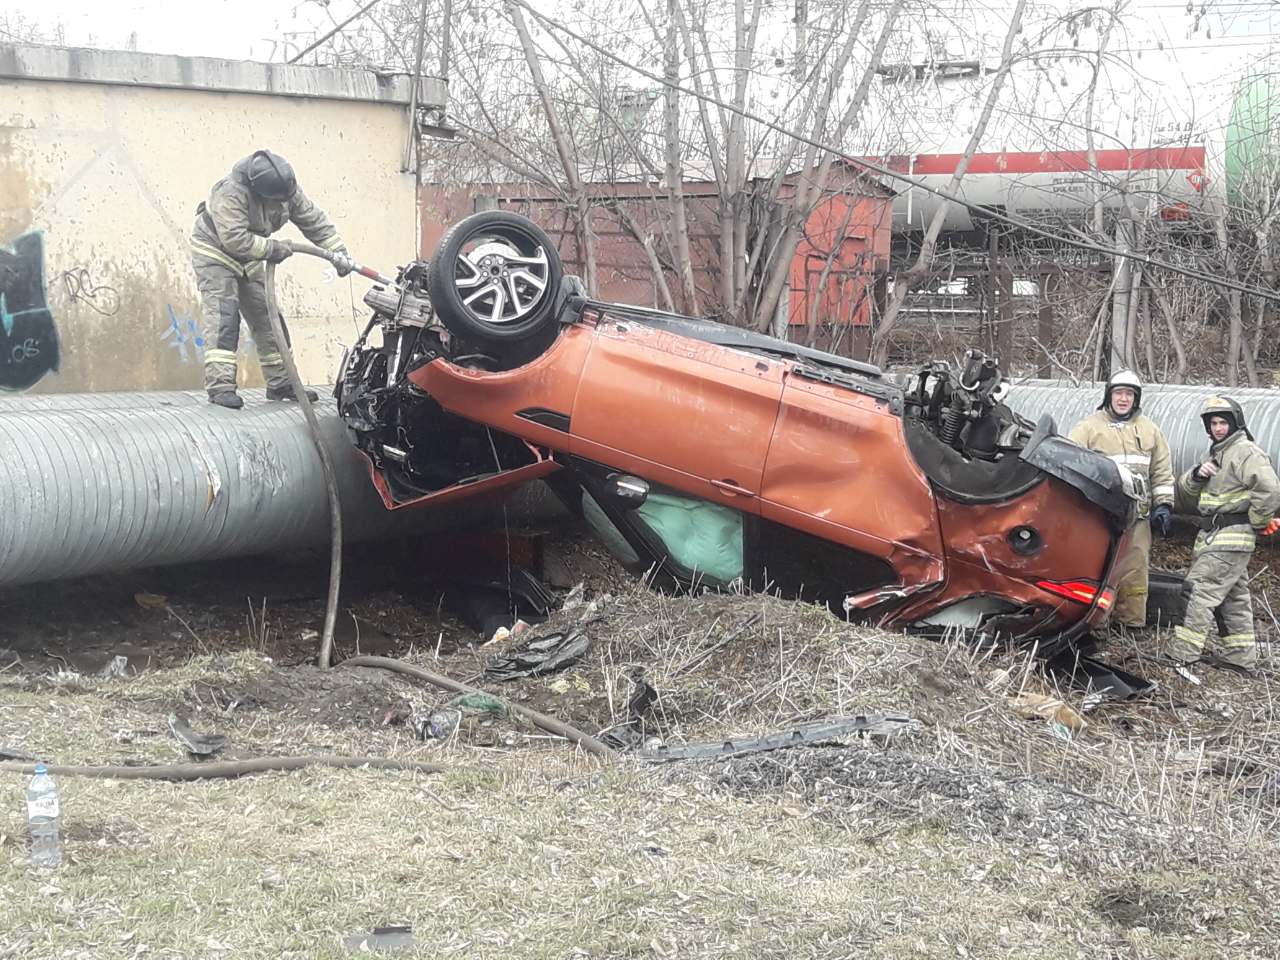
(439,725)
(381,940)
(397,713)
(1186,674)
(479,702)
(540,656)
(199,744)
(489,603)
(117,667)
(873,724)
(151,601)
(8,753)
(573,682)
(540,720)
(628,733)
(1037,706)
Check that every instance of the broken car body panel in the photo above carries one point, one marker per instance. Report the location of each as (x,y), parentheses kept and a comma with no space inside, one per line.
(745,459)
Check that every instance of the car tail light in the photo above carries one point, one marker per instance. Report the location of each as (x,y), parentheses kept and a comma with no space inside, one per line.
(1081,591)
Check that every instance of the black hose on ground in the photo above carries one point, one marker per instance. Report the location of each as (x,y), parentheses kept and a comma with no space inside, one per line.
(225,769)
(540,720)
(326,464)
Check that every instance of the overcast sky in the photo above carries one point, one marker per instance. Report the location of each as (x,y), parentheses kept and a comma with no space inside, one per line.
(251,29)
(233,29)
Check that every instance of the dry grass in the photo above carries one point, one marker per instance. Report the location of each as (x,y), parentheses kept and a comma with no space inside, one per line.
(977,834)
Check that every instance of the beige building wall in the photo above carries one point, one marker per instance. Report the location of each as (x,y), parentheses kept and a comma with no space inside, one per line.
(109,174)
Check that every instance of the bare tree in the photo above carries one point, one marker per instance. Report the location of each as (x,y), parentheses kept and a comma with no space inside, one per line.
(903,282)
(578,198)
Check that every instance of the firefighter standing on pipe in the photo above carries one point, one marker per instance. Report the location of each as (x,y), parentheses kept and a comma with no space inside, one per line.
(1237,495)
(1121,431)
(229,244)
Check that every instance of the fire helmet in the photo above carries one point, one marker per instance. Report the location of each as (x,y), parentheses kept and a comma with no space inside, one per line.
(1123,378)
(270,176)
(1228,409)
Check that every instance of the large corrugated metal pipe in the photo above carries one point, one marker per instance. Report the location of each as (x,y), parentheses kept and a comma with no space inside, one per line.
(91,483)
(1174,407)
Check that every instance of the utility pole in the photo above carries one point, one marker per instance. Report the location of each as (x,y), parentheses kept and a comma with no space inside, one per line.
(801,21)
(1121,290)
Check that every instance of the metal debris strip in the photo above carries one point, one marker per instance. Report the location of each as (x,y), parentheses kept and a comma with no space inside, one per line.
(199,744)
(381,940)
(872,724)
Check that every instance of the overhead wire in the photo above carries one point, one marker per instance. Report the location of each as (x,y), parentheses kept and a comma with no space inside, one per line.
(336,30)
(882,171)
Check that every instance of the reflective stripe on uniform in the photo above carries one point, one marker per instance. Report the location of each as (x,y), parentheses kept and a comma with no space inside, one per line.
(1236,498)
(1236,641)
(253,268)
(333,243)
(258,247)
(270,359)
(1238,536)
(1184,635)
(1163,490)
(213,253)
(1131,459)
(220,356)
(1259,520)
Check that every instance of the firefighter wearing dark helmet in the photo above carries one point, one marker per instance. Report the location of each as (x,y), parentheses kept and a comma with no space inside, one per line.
(230,245)
(1121,431)
(1237,495)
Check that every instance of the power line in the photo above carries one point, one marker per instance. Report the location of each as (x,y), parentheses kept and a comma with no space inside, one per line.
(336,30)
(985,212)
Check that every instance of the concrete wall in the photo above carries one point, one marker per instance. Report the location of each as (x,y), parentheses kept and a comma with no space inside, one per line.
(103,159)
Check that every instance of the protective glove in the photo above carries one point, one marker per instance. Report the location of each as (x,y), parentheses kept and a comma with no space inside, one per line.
(1162,519)
(278,250)
(1271,527)
(342,262)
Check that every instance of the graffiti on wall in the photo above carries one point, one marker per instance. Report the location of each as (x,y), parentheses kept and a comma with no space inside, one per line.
(28,337)
(183,335)
(98,297)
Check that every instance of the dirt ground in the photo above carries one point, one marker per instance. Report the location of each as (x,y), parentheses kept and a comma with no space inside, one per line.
(1142,828)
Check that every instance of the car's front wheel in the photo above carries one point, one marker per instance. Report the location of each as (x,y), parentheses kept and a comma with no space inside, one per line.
(495,278)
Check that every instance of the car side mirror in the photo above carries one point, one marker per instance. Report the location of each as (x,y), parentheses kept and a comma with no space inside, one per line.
(627,491)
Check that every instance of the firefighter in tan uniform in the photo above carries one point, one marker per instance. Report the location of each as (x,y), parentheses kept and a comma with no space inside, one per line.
(1238,496)
(1122,432)
(229,245)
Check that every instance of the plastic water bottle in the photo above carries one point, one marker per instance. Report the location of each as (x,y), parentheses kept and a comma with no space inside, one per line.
(42,818)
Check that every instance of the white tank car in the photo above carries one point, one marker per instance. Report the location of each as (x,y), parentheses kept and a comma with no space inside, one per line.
(1181,122)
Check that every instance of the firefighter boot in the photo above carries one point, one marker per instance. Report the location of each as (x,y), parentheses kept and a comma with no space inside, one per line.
(1240,651)
(285,392)
(226,398)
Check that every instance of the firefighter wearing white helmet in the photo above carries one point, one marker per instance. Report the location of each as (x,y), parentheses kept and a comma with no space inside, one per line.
(1122,432)
(1237,495)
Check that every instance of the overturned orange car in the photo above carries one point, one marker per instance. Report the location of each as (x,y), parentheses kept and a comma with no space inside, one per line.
(706,454)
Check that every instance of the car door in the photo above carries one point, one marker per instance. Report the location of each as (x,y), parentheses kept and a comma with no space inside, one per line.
(693,415)
(839,469)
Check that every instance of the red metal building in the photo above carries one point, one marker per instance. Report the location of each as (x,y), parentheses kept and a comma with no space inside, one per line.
(842,254)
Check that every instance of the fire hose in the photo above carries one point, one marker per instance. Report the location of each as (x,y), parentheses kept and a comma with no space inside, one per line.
(308,411)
